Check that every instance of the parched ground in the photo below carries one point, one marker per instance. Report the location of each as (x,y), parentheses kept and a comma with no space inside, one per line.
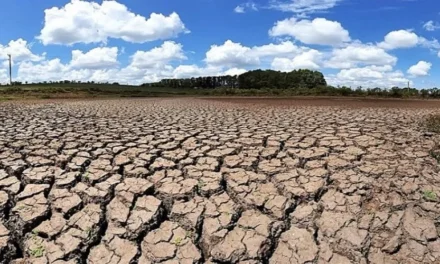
(218,181)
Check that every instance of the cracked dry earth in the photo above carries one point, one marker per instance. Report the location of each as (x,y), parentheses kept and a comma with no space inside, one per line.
(197,181)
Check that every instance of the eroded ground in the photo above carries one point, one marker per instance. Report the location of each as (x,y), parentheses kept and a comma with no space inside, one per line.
(198,181)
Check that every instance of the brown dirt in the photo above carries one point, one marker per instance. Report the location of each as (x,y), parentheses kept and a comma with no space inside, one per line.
(331,101)
(224,180)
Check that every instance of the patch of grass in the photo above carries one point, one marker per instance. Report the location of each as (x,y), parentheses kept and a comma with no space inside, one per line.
(432,123)
(37,252)
(178,241)
(45,96)
(90,233)
(86,176)
(430,195)
(201,184)
(12,90)
(435,153)
(23,208)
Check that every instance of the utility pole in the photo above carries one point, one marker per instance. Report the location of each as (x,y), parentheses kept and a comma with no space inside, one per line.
(10,69)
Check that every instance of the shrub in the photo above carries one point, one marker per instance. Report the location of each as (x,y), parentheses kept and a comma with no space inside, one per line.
(430,195)
(12,90)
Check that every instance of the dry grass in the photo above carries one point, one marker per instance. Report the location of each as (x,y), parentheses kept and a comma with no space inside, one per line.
(432,123)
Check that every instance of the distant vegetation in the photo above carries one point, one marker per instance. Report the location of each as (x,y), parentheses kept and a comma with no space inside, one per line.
(432,123)
(257,79)
(252,83)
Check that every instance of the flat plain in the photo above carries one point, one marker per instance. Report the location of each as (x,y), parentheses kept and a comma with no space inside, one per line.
(186,180)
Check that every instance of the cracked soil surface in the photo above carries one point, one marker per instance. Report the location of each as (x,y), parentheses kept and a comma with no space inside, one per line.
(215,181)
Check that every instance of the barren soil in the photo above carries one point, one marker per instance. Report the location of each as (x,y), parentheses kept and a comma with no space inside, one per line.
(218,181)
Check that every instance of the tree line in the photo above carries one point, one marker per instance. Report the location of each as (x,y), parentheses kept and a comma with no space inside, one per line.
(256,82)
(49,83)
(256,79)
(297,82)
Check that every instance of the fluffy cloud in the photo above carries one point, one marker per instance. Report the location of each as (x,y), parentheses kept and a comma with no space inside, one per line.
(399,39)
(246,7)
(55,70)
(303,6)
(188,71)
(359,55)
(169,51)
(369,76)
(307,60)
(99,65)
(431,26)
(90,22)
(235,55)
(317,31)
(420,69)
(234,71)
(96,58)
(369,72)
(20,51)
(286,48)
(44,71)
(3,76)
(356,55)
(230,54)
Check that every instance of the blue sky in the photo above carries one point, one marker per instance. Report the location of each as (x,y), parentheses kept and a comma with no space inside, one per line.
(353,42)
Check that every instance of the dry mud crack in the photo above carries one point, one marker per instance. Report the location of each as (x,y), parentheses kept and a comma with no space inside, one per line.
(208,181)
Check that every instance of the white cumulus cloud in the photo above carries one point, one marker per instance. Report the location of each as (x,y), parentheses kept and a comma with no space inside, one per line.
(96,58)
(101,65)
(356,55)
(20,51)
(3,76)
(286,48)
(369,76)
(420,69)
(90,22)
(189,71)
(317,31)
(48,70)
(158,56)
(399,39)
(234,71)
(230,54)
(307,60)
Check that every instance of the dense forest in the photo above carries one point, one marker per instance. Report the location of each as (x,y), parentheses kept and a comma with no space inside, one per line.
(257,79)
